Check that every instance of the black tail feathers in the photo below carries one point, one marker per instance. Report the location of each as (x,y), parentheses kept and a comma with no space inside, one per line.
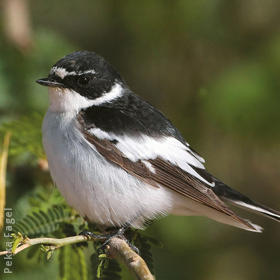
(236,198)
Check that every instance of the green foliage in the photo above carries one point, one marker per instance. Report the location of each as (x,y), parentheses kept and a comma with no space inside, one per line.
(40,223)
(72,263)
(18,239)
(56,220)
(26,135)
(44,197)
(106,268)
(49,214)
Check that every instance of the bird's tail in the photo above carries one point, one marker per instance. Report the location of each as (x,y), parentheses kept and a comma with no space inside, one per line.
(236,198)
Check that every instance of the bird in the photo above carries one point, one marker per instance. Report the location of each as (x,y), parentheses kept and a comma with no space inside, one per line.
(119,161)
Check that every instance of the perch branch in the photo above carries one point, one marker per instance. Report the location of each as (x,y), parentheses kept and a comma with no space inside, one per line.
(116,248)
(119,248)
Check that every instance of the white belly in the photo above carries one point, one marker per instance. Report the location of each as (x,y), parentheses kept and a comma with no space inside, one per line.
(97,189)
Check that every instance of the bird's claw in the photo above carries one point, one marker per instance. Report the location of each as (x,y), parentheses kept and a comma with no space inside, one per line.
(107,238)
(92,235)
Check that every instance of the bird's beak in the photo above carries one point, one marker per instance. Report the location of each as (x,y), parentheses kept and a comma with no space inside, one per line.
(48,83)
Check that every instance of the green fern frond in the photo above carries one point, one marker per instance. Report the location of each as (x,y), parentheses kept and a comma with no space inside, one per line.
(26,135)
(112,270)
(43,197)
(72,263)
(40,223)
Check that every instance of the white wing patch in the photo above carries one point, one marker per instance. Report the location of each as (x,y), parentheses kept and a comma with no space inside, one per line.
(149,166)
(146,148)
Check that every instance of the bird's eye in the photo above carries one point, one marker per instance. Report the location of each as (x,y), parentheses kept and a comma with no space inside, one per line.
(83,80)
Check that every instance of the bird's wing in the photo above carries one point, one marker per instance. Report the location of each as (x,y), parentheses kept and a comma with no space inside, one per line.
(160,162)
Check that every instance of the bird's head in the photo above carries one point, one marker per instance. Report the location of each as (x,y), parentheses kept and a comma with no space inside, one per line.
(82,79)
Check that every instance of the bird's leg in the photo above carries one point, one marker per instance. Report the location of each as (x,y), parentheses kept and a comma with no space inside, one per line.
(90,234)
(108,236)
(120,234)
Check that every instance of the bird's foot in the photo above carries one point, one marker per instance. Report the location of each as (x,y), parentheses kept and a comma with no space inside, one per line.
(107,237)
(115,234)
(92,235)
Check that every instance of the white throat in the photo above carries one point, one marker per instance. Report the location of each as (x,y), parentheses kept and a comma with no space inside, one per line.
(68,100)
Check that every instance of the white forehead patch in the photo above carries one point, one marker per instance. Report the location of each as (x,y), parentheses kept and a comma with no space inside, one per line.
(62,72)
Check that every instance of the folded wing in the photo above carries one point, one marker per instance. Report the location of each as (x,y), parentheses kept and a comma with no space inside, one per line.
(166,163)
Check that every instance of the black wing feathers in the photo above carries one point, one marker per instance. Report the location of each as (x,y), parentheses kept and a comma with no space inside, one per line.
(130,115)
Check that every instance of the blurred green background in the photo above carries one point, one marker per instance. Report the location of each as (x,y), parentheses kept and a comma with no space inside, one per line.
(211,66)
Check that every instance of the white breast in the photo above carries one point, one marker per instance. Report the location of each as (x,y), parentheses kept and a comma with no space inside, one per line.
(96,188)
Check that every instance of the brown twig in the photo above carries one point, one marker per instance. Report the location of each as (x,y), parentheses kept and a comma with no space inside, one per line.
(117,248)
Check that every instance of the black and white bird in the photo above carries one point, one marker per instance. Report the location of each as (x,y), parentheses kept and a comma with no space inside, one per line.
(118,160)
